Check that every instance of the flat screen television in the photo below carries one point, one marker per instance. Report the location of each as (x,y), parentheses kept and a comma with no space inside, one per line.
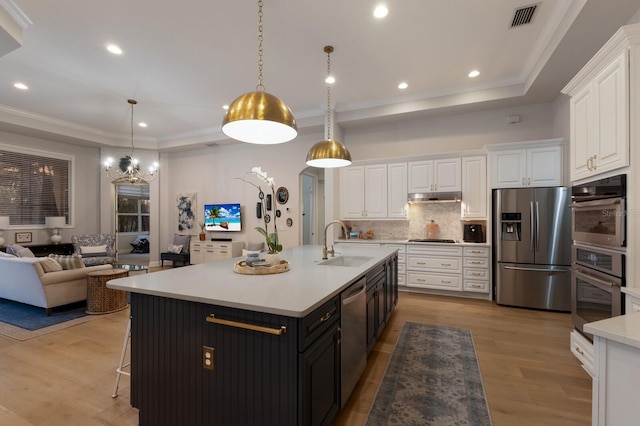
(222,217)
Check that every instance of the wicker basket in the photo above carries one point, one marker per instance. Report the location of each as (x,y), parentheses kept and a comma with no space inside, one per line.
(103,300)
(241,267)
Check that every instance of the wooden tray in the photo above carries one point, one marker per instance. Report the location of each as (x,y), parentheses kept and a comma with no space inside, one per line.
(241,267)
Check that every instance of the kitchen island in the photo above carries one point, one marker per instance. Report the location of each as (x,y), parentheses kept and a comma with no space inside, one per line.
(210,346)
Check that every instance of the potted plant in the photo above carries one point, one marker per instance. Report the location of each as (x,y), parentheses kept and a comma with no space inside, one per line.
(203,235)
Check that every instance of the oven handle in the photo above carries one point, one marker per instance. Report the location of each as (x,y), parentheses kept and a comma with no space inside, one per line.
(596,203)
(601,284)
(552,269)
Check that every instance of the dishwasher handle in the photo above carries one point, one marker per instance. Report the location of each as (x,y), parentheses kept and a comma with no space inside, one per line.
(354,295)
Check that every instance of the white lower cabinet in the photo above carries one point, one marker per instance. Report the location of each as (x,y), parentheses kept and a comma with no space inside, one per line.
(476,269)
(210,251)
(434,267)
(583,350)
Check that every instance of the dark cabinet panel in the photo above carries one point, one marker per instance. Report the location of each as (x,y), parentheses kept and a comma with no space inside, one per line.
(320,379)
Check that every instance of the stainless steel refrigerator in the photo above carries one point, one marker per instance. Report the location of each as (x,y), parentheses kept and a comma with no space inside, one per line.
(532,247)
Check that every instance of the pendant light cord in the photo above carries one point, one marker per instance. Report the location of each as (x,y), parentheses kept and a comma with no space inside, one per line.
(328,49)
(132,102)
(260,86)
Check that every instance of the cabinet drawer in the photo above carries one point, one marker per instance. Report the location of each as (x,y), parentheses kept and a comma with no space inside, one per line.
(477,286)
(583,350)
(400,247)
(441,281)
(402,268)
(476,262)
(436,250)
(402,279)
(402,258)
(476,251)
(478,274)
(438,264)
(317,322)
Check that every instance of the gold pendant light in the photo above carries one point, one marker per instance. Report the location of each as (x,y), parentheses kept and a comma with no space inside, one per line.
(328,153)
(259,117)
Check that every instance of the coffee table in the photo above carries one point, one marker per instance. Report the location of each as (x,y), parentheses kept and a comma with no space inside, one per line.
(131,267)
(100,298)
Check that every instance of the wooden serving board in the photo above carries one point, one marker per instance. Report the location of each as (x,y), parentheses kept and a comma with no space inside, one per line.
(241,267)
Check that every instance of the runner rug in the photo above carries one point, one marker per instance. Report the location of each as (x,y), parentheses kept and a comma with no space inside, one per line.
(433,378)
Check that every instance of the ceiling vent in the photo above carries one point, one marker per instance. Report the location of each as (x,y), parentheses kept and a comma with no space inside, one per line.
(523,15)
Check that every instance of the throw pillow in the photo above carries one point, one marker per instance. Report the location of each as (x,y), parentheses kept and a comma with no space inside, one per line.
(68,262)
(20,251)
(182,240)
(173,248)
(246,252)
(93,249)
(255,246)
(50,265)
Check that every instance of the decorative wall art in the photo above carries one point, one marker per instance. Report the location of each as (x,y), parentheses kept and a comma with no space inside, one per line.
(187,207)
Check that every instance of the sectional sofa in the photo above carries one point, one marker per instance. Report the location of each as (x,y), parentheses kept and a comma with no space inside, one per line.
(26,280)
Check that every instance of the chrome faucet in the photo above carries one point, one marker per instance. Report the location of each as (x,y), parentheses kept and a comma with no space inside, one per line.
(325,251)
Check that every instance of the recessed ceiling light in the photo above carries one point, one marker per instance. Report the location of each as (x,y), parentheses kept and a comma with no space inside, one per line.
(403,85)
(474,73)
(330,79)
(114,49)
(20,86)
(142,124)
(380,11)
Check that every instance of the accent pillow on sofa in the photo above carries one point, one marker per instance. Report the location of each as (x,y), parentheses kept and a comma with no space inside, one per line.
(19,251)
(182,240)
(93,251)
(73,261)
(50,265)
(173,248)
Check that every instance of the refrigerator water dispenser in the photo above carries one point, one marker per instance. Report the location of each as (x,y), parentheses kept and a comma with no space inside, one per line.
(511,226)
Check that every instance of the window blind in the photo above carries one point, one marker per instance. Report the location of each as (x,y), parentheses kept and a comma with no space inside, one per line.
(33,186)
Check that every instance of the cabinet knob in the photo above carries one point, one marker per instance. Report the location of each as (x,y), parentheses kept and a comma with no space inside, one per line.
(522,181)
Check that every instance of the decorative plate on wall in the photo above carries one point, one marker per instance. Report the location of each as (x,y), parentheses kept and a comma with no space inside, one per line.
(282,195)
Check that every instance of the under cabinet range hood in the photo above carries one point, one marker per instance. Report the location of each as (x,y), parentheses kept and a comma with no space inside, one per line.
(434,197)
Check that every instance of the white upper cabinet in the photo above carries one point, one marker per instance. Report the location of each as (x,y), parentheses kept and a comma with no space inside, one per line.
(441,175)
(474,187)
(397,190)
(525,167)
(599,122)
(363,192)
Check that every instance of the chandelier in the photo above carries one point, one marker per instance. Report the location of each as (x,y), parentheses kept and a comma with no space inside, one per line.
(328,153)
(259,117)
(128,167)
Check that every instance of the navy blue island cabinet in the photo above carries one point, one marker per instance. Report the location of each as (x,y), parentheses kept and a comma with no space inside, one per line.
(263,369)
(278,371)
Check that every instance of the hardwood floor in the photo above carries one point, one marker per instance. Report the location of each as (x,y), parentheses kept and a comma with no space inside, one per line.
(530,377)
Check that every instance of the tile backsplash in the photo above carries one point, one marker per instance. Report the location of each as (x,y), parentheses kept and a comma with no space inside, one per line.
(446,215)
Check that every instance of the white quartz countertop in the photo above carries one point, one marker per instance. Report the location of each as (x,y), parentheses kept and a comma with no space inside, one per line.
(380,241)
(296,293)
(622,329)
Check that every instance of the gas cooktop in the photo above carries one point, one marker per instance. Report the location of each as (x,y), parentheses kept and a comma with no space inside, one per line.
(432,240)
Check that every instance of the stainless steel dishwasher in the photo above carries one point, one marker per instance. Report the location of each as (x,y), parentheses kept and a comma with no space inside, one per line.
(353,350)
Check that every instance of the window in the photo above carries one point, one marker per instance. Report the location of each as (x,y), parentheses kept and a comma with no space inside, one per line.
(34,185)
(133,208)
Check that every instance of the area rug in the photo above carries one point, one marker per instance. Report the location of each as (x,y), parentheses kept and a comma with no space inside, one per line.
(22,322)
(433,378)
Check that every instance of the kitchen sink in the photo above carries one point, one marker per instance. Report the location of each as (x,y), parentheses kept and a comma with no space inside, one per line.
(351,261)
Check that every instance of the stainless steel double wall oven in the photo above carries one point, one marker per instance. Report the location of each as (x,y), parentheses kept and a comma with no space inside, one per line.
(598,229)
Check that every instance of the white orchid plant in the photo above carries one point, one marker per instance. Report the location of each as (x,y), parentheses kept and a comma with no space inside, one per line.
(273,244)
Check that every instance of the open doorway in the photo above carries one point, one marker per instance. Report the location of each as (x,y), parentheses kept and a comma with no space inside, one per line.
(312,204)
(132,219)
